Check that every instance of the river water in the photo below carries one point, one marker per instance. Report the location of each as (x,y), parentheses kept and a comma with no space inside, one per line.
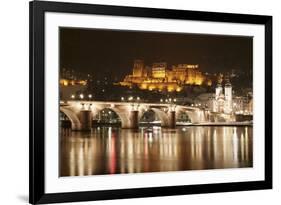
(112,150)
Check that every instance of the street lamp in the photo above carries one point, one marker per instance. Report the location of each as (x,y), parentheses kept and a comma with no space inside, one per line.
(90,96)
(81,96)
(122,98)
(72,96)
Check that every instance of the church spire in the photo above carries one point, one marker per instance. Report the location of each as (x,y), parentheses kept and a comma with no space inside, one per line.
(227,81)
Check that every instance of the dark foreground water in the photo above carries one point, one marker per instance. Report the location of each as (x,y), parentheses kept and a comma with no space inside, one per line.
(109,150)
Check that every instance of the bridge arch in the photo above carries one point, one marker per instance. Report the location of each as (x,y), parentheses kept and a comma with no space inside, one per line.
(72,116)
(108,114)
(183,116)
(122,114)
(195,115)
(160,114)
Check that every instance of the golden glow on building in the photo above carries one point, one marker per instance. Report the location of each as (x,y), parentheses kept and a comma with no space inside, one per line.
(160,78)
(66,82)
(158,70)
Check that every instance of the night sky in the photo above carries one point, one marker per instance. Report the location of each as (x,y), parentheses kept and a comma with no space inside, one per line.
(112,52)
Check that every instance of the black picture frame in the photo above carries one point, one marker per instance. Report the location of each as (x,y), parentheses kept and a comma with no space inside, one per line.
(37,194)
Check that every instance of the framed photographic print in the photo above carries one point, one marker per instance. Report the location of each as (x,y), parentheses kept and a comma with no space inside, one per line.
(140,102)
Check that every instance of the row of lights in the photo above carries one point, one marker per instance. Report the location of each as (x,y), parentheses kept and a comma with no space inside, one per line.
(168,100)
(196,105)
(131,98)
(109,112)
(82,96)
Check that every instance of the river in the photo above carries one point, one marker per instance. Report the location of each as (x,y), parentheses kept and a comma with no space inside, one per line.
(112,150)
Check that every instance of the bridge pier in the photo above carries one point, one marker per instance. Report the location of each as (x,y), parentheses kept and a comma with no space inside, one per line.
(172,119)
(134,119)
(86,120)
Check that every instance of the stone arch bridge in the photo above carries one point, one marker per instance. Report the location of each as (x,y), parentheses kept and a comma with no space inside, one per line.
(81,113)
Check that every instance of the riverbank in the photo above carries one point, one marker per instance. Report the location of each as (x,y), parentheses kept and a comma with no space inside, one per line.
(246,123)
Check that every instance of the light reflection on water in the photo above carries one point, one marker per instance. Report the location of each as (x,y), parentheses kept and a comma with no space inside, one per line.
(108,150)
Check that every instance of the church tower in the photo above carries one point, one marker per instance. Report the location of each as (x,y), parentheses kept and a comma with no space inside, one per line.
(228,96)
(218,91)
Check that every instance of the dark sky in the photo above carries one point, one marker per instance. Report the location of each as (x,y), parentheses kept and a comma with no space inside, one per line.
(113,52)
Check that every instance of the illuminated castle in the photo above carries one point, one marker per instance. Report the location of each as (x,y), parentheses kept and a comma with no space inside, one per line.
(159,77)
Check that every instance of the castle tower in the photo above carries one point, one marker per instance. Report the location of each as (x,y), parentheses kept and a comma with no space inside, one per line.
(228,97)
(138,68)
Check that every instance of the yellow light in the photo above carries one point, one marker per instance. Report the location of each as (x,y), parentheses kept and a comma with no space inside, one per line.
(170,88)
(83,82)
(178,89)
(143,86)
(151,87)
(64,82)
(81,96)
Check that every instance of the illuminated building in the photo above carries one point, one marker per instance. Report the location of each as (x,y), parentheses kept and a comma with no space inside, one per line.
(67,82)
(219,99)
(223,102)
(159,70)
(160,78)
(243,105)
(228,97)
(138,69)
(68,88)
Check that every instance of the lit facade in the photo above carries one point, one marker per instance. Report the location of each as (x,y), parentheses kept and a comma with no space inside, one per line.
(225,102)
(222,102)
(67,82)
(69,87)
(159,70)
(138,69)
(160,77)
(243,105)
